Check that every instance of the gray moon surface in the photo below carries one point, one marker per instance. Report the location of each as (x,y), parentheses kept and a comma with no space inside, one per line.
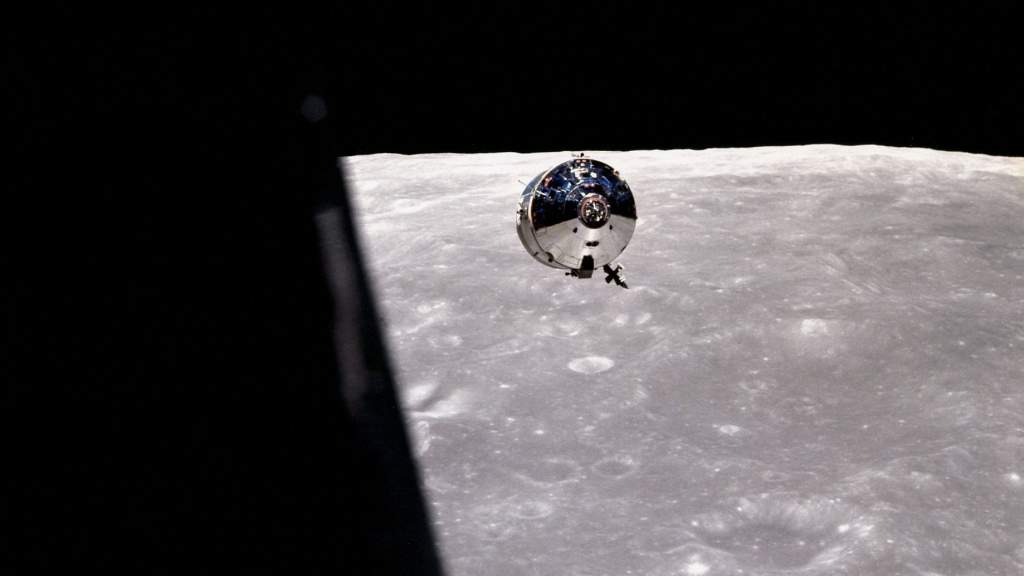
(818,367)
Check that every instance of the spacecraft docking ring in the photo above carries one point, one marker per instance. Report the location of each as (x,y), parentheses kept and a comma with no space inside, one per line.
(577,216)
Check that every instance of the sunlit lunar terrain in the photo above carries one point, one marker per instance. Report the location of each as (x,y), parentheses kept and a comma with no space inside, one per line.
(818,367)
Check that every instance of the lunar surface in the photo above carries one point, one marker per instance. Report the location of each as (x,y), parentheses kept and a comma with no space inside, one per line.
(818,368)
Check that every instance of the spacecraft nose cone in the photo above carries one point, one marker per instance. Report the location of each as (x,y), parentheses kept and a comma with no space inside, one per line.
(577,216)
(594,211)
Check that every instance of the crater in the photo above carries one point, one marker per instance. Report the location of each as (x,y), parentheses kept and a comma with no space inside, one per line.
(492,524)
(814,327)
(768,545)
(779,532)
(532,510)
(496,530)
(729,429)
(591,364)
(616,466)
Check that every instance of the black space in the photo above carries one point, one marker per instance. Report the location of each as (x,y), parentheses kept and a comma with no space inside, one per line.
(603,80)
(444,80)
(190,416)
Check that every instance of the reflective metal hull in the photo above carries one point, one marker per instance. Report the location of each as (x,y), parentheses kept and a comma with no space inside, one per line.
(579,215)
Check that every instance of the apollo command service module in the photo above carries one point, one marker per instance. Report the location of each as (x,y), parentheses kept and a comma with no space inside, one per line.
(577,216)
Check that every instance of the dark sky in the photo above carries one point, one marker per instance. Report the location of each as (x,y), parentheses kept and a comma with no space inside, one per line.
(581,78)
(608,80)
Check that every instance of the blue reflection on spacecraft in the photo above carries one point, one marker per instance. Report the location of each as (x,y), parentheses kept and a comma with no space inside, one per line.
(578,216)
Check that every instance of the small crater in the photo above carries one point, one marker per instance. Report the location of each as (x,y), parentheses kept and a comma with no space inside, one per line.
(729,429)
(697,568)
(496,530)
(532,510)
(813,327)
(591,364)
(493,522)
(616,466)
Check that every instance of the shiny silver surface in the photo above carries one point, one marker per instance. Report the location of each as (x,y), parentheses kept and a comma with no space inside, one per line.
(577,209)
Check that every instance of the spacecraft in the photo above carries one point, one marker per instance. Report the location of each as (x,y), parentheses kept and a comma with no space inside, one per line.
(577,216)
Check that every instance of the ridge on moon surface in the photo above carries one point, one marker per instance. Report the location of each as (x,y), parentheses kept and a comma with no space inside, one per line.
(817,369)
